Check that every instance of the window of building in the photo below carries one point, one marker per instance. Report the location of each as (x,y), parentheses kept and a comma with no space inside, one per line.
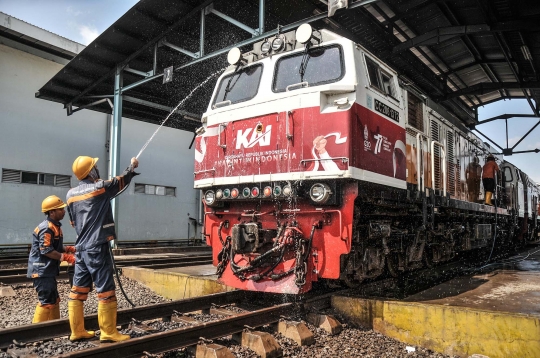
(380,79)
(150,189)
(23,177)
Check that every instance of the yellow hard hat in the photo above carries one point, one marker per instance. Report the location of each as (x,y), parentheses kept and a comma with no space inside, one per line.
(82,166)
(52,202)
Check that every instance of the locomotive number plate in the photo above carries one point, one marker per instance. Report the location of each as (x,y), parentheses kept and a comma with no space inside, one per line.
(386,110)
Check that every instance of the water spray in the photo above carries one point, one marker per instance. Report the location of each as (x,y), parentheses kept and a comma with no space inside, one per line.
(137,157)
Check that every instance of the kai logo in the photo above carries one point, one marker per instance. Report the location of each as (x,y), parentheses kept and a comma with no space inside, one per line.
(262,137)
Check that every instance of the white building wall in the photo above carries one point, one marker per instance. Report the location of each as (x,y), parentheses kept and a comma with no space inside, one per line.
(37,135)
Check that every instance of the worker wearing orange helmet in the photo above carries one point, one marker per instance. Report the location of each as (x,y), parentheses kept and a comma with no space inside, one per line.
(91,215)
(489,172)
(47,252)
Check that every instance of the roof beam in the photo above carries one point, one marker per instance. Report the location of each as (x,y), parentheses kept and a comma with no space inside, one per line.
(475,63)
(487,87)
(507,116)
(150,43)
(441,34)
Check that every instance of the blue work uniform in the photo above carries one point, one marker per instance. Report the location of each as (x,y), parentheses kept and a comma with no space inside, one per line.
(43,270)
(90,210)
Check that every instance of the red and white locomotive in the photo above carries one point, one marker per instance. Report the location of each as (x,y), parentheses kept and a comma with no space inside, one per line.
(317,161)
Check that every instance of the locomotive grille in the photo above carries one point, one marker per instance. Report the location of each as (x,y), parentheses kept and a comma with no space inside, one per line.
(437,155)
(415,118)
(451,166)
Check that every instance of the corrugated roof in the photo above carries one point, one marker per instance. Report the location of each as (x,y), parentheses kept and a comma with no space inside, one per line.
(462,53)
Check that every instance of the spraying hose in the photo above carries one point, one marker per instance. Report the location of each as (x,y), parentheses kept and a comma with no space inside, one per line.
(118,278)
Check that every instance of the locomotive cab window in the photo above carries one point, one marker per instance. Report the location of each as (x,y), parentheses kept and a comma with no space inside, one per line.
(508,174)
(317,66)
(239,86)
(380,79)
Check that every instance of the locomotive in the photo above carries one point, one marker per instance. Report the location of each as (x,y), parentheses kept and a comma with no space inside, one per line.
(317,161)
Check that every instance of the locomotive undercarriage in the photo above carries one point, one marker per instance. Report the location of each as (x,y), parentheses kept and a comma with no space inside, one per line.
(394,234)
(393,231)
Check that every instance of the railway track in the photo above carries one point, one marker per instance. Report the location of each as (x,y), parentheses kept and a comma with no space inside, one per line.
(18,275)
(263,311)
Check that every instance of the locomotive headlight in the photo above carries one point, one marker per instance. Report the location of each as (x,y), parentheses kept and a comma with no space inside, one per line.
(277,190)
(234,193)
(219,194)
(320,193)
(267,191)
(304,33)
(246,192)
(278,44)
(265,47)
(226,193)
(234,56)
(287,190)
(209,197)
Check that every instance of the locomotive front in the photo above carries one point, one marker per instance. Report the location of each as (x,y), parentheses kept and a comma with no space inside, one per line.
(272,160)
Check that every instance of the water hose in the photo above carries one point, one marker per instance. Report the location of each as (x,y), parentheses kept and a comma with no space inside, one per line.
(118,277)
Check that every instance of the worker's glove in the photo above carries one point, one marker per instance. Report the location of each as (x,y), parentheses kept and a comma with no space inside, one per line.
(69,249)
(69,258)
(112,244)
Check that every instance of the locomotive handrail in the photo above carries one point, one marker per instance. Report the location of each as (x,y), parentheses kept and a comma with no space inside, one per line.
(299,84)
(290,135)
(224,146)
(433,144)
(222,104)
(343,160)
(419,159)
(204,171)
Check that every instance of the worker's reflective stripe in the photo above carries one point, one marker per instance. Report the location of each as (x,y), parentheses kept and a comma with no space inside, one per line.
(86,196)
(108,225)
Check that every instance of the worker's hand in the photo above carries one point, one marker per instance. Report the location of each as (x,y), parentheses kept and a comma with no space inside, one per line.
(134,162)
(69,249)
(69,258)
(112,244)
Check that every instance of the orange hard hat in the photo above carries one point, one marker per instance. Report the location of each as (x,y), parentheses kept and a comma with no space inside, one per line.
(52,202)
(82,166)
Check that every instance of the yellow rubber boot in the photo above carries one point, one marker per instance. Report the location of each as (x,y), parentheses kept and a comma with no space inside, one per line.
(488,197)
(107,323)
(55,312)
(41,314)
(76,321)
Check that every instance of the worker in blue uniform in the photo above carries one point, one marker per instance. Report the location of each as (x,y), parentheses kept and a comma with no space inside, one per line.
(91,214)
(47,252)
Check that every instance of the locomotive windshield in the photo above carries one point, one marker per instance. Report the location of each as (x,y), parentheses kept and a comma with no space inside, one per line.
(318,66)
(239,86)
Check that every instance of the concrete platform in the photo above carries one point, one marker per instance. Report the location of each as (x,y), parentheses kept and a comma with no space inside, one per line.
(496,314)
(180,282)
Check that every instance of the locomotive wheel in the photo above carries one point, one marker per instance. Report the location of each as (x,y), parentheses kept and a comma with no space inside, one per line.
(392,264)
(351,282)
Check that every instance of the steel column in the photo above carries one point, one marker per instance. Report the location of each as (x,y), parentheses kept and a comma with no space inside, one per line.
(116,135)
(261,17)
(201,40)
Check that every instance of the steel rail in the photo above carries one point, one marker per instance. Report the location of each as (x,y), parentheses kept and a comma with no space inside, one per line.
(183,337)
(60,327)
(162,262)
(22,278)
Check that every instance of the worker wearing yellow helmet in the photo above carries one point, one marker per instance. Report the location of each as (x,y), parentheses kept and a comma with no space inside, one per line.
(47,252)
(91,215)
